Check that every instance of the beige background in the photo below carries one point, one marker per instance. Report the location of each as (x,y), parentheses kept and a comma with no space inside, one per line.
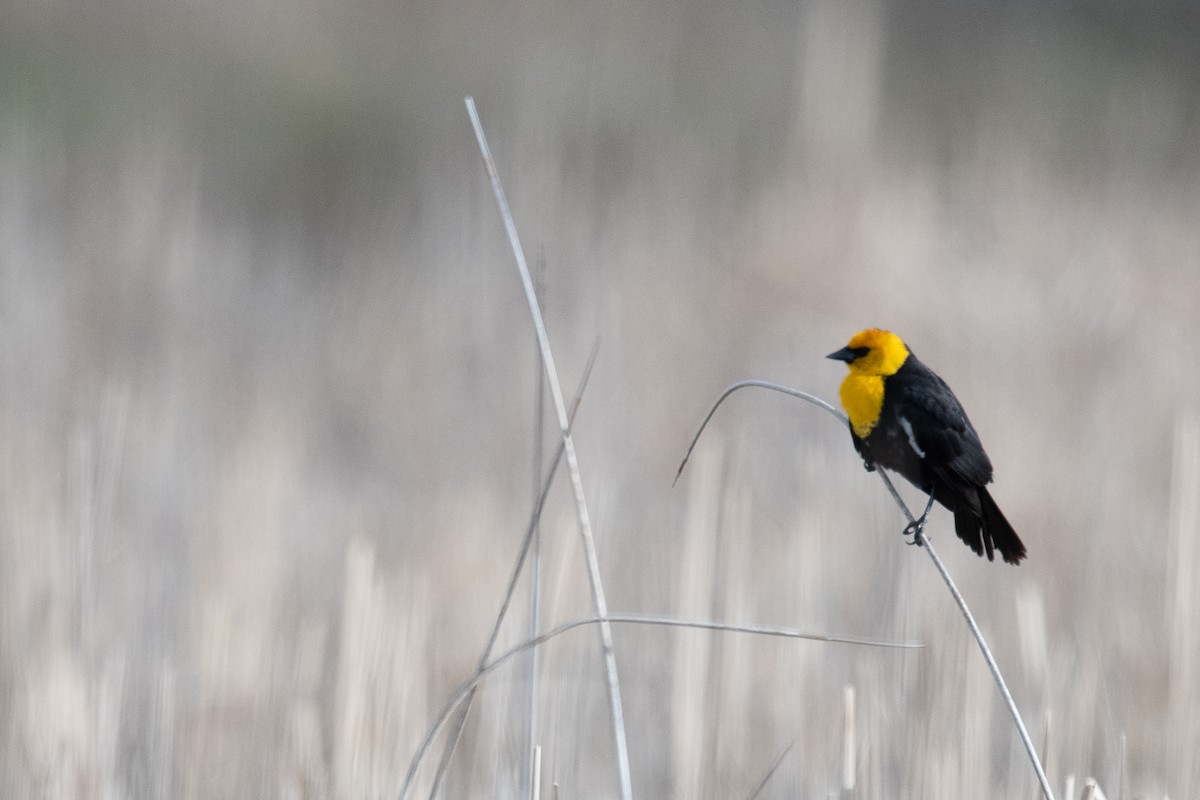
(267,396)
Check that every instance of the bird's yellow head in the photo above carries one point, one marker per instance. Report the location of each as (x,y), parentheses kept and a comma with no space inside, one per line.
(873,352)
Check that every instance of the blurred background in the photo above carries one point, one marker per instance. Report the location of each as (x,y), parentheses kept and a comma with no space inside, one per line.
(268,391)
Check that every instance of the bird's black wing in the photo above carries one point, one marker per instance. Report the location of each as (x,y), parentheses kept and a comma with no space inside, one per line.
(940,427)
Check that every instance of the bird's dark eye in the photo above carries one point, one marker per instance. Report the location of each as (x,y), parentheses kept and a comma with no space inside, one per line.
(859,352)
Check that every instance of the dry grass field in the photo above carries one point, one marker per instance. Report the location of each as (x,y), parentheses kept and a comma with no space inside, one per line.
(269,432)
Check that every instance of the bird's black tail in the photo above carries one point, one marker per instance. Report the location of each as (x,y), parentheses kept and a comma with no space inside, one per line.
(988,530)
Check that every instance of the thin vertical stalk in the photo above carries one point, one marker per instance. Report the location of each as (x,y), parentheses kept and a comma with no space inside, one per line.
(534,518)
(535,566)
(599,602)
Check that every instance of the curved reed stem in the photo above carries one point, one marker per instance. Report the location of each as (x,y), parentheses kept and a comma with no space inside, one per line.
(465,691)
(925,544)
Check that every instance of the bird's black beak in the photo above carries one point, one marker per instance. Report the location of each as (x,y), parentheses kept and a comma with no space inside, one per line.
(849,354)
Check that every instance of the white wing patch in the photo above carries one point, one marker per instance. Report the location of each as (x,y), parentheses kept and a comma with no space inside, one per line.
(912,440)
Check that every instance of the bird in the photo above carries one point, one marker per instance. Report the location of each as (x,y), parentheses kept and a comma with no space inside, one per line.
(905,418)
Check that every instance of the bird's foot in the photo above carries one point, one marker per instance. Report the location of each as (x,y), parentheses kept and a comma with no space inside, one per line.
(915,529)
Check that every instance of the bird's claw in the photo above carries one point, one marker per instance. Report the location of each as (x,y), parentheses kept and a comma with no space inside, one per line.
(916,530)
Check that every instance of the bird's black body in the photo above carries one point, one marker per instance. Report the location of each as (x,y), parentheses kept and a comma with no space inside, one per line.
(924,434)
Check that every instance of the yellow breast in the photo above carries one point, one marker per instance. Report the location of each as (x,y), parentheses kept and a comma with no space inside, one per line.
(862,397)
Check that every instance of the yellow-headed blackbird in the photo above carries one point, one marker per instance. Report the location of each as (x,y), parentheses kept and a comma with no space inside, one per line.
(905,418)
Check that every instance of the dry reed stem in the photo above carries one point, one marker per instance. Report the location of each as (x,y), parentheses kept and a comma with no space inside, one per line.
(1046,738)
(771,772)
(532,790)
(526,545)
(581,510)
(468,687)
(918,538)
(535,775)
(849,744)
